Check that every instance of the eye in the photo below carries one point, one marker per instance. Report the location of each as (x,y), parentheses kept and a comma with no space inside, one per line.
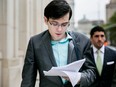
(54,24)
(96,35)
(64,24)
(102,35)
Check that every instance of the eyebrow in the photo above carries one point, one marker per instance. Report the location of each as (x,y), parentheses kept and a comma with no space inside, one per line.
(59,23)
(99,35)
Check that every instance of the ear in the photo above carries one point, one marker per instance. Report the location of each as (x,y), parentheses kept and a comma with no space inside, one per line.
(45,20)
(91,39)
(105,39)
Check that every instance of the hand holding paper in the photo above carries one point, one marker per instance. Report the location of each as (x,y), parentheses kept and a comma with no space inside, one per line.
(70,70)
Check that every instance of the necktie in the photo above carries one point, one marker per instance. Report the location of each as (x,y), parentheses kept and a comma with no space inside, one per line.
(99,62)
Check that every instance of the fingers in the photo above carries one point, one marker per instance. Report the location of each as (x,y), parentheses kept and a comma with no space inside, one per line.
(66,78)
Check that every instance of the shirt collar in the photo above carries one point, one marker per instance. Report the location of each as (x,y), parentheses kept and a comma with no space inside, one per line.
(95,49)
(62,40)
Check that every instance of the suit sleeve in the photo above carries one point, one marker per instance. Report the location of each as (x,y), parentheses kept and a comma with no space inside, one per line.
(114,78)
(88,70)
(29,72)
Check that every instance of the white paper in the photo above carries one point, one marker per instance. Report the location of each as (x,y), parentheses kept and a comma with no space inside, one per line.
(70,71)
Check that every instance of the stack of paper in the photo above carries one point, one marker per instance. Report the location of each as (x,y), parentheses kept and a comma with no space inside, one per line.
(70,71)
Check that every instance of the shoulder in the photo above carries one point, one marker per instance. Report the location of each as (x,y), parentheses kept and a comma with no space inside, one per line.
(39,38)
(78,35)
(110,49)
(80,39)
(40,35)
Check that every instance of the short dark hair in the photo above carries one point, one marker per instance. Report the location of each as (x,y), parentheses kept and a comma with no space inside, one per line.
(57,9)
(95,29)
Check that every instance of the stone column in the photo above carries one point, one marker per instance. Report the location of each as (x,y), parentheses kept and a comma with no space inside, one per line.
(9,61)
(71,3)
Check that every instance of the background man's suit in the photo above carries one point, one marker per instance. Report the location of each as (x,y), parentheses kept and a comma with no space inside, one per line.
(108,68)
(114,78)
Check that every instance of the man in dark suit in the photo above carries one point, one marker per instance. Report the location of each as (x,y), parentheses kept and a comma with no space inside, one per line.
(56,47)
(104,58)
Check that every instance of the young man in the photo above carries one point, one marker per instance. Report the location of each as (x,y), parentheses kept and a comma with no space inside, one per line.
(56,47)
(103,57)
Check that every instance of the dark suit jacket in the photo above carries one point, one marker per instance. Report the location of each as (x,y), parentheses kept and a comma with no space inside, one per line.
(114,78)
(108,69)
(40,57)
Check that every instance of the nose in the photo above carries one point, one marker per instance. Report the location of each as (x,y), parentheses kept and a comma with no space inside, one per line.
(59,28)
(99,38)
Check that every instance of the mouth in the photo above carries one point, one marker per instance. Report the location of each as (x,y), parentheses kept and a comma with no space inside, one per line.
(58,34)
(100,43)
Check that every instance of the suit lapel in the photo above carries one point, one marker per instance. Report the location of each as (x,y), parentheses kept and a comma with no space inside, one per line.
(71,53)
(70,50)
(92,54)
(77,47)
(48,47)
(106,58)
(78,51)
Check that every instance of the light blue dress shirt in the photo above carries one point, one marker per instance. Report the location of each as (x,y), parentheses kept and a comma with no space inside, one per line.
(60,50)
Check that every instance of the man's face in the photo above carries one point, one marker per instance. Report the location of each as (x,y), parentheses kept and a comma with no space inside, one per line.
(58,27)
(98,39)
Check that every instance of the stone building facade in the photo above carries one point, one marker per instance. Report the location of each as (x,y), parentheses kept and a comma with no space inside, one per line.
(110,9)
